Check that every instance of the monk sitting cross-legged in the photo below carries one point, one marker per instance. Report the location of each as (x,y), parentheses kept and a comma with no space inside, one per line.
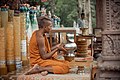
(42,57)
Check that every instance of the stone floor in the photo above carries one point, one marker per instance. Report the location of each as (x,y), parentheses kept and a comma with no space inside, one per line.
(18,74)
(14,74)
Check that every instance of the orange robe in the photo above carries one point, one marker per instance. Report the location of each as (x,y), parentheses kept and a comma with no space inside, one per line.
(59,66)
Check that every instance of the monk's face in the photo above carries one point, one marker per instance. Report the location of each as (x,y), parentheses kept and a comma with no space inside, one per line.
(48,28)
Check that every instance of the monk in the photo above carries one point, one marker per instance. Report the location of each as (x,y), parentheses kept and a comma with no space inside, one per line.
(42,57)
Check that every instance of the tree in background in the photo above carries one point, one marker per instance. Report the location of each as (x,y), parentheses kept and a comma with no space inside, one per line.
(67,11)
(52,6)
(93,12)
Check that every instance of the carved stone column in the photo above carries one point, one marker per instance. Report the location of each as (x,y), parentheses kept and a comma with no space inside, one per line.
(99,13)
(109,62)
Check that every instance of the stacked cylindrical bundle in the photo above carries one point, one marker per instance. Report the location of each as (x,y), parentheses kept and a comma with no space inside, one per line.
(0,22)
(82,48)
(10,15)
(23,39)
(4,18)
(3,68)
(23,26)
(17,41)
(10,47)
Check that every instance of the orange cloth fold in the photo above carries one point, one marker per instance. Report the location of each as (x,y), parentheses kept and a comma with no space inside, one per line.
(59,66)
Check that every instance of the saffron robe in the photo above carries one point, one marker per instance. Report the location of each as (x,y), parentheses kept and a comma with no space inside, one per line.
(59,66)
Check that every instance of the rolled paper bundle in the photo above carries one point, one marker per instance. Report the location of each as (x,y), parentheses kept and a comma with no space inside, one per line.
(10,15)
(23,39)
(23,26)
(27,44)
(17,41)
(24,52)
(0,22)
(4,18)
(3,68)
(10,47)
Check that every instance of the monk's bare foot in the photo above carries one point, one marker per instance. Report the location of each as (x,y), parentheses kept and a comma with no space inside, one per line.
(35,69)
(44,73)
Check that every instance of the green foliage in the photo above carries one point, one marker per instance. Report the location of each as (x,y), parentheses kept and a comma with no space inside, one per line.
(67,11)
(93,12)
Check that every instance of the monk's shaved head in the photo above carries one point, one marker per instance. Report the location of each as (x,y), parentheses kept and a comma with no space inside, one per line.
(43,21)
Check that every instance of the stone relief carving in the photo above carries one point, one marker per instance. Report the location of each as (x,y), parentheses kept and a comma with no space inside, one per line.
(109,63)
(115,14)
(113,58)
(111,45)
(112,15)
(108,25)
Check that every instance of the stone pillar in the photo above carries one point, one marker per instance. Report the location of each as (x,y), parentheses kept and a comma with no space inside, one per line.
(109,62)
(99,13)
(88,15)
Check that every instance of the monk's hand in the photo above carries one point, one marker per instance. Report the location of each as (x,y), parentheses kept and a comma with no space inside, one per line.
(61,48)
(59,45)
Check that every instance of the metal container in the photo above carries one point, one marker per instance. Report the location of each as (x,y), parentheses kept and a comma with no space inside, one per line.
(71,47)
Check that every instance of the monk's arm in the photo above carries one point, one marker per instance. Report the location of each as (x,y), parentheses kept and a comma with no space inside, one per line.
(56,46)
(59,47)
(42,51)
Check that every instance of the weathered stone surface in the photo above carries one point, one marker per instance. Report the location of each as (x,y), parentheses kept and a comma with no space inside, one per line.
(109,63)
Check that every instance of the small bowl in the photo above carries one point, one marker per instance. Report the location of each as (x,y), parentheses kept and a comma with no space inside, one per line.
(69,58)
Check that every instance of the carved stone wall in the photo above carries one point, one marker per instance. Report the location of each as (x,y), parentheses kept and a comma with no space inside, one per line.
(99,13)
(111,45)
(111,14)
(109,62)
